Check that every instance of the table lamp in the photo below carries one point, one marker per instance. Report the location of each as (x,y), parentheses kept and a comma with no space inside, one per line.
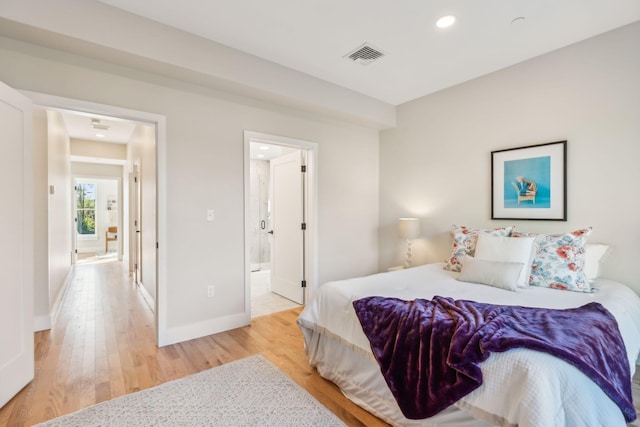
(408,228)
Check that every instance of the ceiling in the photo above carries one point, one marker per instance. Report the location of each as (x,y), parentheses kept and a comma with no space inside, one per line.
(91,126)
(82,126)
(265,151)
(312,36)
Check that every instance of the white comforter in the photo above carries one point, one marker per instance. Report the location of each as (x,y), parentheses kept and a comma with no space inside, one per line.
(521,387)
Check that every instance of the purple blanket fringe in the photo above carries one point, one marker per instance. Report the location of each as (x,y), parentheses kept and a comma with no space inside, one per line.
(430,351)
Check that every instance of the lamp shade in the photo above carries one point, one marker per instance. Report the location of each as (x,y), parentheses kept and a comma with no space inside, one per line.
(409,228)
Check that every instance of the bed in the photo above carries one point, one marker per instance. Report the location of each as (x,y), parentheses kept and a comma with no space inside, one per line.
(520,386)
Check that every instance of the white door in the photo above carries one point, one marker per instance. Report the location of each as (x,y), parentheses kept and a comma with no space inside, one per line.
(16,247)
(287,213)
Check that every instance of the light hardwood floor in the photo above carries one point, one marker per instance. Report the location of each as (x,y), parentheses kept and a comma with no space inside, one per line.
(101,346)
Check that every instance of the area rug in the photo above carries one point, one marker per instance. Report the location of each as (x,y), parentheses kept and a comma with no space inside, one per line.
(247,392)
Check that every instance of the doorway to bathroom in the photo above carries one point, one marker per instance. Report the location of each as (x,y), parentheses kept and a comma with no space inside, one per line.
(277,223)
(266,297)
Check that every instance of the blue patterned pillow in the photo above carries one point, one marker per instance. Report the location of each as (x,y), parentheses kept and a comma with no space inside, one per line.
(558,261)
(464,243)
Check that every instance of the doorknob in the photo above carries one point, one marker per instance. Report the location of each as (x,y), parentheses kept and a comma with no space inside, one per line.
(270,231)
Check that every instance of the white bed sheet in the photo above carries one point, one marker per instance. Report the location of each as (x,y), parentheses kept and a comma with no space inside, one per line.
(542,390)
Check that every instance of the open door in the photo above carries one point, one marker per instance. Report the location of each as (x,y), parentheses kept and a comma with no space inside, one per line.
(287,212)
(16,247)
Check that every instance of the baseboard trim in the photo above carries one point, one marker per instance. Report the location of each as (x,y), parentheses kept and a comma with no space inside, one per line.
(208,327)
(147,297)
(41,323)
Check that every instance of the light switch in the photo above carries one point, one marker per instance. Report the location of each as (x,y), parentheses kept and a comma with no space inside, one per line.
(211,215)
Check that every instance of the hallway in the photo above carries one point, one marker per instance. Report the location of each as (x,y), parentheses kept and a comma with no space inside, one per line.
(101,345)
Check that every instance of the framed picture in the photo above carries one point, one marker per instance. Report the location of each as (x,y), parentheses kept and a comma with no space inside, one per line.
(530,182)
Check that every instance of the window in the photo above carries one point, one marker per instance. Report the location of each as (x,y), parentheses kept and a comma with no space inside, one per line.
(86,209)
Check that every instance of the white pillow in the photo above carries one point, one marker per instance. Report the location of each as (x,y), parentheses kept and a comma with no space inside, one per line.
(499,274)
(592,256)
(507,249)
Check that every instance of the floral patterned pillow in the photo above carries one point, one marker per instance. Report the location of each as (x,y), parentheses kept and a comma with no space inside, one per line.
(558,261)
(464,243)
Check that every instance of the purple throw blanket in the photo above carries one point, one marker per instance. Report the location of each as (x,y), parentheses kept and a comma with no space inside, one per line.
(430,351)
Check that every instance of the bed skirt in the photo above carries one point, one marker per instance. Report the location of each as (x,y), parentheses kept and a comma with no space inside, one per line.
(359,378)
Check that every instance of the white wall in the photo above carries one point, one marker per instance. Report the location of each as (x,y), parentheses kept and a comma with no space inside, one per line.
(103,150)
(42,319)
(141,150)
(436,163)
(59,173)
(204,156)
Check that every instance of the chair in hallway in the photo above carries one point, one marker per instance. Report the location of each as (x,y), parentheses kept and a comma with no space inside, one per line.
(111,235)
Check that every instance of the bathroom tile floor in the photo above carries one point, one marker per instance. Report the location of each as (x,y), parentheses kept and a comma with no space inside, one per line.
(263,301)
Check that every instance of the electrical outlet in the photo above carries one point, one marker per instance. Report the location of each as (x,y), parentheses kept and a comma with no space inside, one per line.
(211,291)
(211,215)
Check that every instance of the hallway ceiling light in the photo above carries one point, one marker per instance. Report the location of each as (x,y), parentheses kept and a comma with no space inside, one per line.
(264,147)
(100,135)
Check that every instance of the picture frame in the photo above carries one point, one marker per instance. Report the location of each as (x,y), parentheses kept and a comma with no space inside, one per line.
(530,182)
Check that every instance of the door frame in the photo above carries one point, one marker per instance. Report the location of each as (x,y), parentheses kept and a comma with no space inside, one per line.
(53,102)
(135,224)
(311,202)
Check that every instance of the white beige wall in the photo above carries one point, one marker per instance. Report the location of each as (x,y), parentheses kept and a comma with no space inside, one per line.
(204,169)
(96,170)
(141,150)
(40,245)
(104,150)
(59,173)
(436,163)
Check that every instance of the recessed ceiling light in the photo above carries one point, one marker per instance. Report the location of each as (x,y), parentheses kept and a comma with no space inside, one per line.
(100,135)
(264,147)
(260,156)
(445,21)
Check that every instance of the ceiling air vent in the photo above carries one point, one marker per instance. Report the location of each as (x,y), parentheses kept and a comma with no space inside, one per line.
(364,54)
